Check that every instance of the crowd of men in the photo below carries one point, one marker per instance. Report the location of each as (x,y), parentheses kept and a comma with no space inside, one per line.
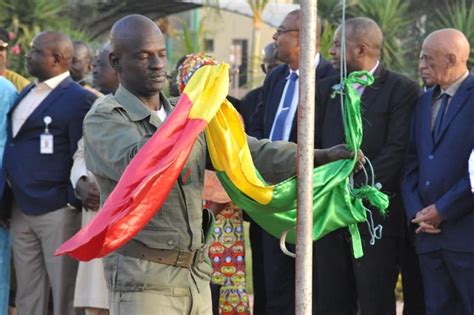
(66,145)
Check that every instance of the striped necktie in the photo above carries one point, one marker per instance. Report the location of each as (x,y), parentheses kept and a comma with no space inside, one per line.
(279,127)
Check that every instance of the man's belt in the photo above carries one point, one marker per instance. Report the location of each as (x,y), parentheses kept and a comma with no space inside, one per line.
(179,258)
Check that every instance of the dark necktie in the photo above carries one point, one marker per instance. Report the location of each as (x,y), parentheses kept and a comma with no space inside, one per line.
(281,118)
(438,125)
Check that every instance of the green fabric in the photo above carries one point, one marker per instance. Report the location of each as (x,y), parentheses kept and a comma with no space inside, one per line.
(335,203)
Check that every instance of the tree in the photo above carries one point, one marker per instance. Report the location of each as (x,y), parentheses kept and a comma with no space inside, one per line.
(460,16)
(257,7)
(27,18)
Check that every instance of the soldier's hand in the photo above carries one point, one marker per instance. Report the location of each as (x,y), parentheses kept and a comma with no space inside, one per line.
(335,153)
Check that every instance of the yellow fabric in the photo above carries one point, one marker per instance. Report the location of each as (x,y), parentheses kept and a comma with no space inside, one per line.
(226,139)
(216,78)
(18,81)
(230,153)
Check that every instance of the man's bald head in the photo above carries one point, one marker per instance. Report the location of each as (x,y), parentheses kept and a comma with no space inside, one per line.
(104,77)
(59,43)
(450,41)
(443,57)
(131,27)
(139,55)
(297,14)
(81,64)
(50,55)
(287,39)
(364,40)
(84,49)
(365,31)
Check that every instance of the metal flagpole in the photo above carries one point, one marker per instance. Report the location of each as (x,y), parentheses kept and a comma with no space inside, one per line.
(304,242)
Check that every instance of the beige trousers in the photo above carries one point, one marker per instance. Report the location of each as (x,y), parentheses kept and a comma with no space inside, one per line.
(35,238)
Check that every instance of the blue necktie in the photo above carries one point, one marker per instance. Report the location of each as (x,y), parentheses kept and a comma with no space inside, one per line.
(440,116)
(281,119)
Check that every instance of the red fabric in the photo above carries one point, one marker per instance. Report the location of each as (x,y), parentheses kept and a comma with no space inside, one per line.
(142,189)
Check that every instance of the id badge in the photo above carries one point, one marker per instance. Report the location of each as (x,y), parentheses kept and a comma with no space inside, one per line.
(46,143)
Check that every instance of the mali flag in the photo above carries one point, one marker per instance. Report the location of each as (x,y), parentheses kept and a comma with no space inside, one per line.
(148,179)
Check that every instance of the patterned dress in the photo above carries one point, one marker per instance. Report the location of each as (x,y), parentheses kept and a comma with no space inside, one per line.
(227,251)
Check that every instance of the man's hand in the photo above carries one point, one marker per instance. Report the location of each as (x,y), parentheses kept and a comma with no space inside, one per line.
(88,193)
(428,220)
(429,215)
(426,228)
(335,153)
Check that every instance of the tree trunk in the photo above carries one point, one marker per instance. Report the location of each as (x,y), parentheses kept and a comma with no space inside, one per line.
(256,51)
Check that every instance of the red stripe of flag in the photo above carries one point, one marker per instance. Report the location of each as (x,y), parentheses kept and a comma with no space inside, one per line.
(142,189)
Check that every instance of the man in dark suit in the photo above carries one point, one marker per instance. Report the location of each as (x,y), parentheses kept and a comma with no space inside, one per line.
(435,187)
(343,282)
(250,101)
(44,127)
(275,119)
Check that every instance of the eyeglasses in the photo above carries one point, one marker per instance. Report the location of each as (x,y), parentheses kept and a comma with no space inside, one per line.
(280,31)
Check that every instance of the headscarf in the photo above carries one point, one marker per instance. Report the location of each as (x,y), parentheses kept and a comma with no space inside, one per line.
(192,63)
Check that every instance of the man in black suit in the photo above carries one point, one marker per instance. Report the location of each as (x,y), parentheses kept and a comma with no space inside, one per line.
(343,282)
(275,119)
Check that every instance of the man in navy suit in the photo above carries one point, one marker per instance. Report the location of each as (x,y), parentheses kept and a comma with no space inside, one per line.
(275,119)
(44,127)
(436,188)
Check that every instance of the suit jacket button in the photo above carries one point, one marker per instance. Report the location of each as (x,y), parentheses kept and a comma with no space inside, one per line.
(431,157)
(12,144)
(427,183)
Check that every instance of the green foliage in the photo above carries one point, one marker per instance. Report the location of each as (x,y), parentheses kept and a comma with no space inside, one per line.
(327,38)
(460,16)
(330,11)
(188,39)
(394,19)
(193,40)
(27,18)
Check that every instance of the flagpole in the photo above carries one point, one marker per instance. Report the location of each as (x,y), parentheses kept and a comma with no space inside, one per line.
(304,242)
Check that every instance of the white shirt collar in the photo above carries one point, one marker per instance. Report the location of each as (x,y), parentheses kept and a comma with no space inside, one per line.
(53,82)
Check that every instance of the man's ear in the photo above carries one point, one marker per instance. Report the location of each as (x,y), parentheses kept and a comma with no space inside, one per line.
(58,58)
(362,50)
(451,60)
(115,62)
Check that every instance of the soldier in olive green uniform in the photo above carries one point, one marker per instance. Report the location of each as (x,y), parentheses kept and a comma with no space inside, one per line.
(163,270)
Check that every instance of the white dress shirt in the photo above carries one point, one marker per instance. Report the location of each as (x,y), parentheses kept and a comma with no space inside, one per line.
(33,99)
(294,103)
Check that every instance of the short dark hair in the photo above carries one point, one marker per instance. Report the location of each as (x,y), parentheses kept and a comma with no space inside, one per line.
(365,30)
